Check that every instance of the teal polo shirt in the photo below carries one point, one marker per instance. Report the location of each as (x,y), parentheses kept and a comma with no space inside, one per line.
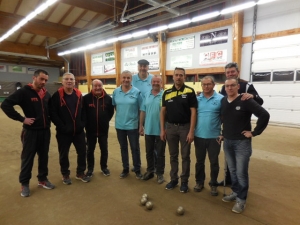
(209,116)
(151,106)
(143,85)
(127,108)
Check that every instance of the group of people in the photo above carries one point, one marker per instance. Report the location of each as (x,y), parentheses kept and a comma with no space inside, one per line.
(79,120)
(177,116)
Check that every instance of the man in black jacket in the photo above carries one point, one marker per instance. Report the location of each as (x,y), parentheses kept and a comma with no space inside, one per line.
(99,111)
(33,99)
(68,116)
(247,91)
(236,116)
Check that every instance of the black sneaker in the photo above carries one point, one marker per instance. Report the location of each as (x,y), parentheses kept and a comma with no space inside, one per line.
(25,192)
(106,172)
(83,178)
(66,180)
(171,184)
(148,176)
(160,179)
(89,173)
(184,187)
(124,174)
(138,175)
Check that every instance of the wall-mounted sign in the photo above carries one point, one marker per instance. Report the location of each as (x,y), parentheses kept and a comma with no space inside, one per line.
(109,68)
(149,50)
(109,56)
(213,38)
(97,69)
(182,43)
(130,66)
(213,58)
(153,64)
(97,58)
(17,69)
(130,52)
(2,68)
(182,61)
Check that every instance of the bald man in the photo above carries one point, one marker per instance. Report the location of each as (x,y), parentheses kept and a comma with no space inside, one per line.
(99,111)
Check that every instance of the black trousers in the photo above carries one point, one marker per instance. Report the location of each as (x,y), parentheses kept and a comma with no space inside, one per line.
(91,145)
(34,142)
(155,154)
(212,148)
(64,142)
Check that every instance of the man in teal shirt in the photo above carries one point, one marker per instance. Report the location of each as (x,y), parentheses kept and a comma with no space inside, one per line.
(207,132)
(150,127)
(127,101)
(142,80)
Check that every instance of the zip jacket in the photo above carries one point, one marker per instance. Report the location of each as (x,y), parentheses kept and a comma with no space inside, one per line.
(33,104)
(99,111)
(61,115)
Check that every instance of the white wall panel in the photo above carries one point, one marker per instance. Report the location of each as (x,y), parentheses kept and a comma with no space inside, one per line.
(276,64)
(281,100)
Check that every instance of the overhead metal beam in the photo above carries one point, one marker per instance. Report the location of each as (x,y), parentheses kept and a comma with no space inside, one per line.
(158,4)
(144,23)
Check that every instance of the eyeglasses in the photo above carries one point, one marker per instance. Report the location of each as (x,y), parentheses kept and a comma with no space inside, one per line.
(230,85)
(207,85)
(71,79)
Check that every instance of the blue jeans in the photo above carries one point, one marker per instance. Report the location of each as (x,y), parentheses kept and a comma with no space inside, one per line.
(238,154)
(133,137)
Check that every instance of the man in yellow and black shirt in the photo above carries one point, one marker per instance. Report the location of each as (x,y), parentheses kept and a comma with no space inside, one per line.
(178,119)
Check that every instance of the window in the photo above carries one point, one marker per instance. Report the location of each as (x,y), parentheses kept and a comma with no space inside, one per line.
(283,76)
(261,77)
(298,75)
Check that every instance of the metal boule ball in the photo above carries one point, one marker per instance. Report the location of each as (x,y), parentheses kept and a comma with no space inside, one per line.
(149,205)
(180,210)
(145,196)
(143,201)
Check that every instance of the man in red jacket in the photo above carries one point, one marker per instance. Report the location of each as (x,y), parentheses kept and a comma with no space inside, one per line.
(33,99)
(99,111)
(68,116)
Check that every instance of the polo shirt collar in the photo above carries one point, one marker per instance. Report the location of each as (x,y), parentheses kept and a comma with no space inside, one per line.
(181,89)
(213,95)
(141,79)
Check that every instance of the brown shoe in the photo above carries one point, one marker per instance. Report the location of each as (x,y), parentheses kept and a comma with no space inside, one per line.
(198,187)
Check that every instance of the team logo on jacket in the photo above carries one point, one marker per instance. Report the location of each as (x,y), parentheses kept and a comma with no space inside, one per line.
(183,96)
(34,99)
(238,108)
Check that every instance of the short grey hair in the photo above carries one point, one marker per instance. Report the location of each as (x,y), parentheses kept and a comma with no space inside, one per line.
(209,78)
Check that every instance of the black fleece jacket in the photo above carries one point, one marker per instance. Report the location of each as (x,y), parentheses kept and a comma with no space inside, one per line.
(33,106)
(61,115)
(99,111)
(236,117)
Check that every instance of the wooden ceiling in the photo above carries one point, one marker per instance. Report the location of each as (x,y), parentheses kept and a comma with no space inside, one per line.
(63,20)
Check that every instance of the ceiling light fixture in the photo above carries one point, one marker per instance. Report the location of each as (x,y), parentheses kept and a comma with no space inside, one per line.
(29,17)
(140,33)
(206,16)
(156,29)
(260,2)
(179,23)
(238,7)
